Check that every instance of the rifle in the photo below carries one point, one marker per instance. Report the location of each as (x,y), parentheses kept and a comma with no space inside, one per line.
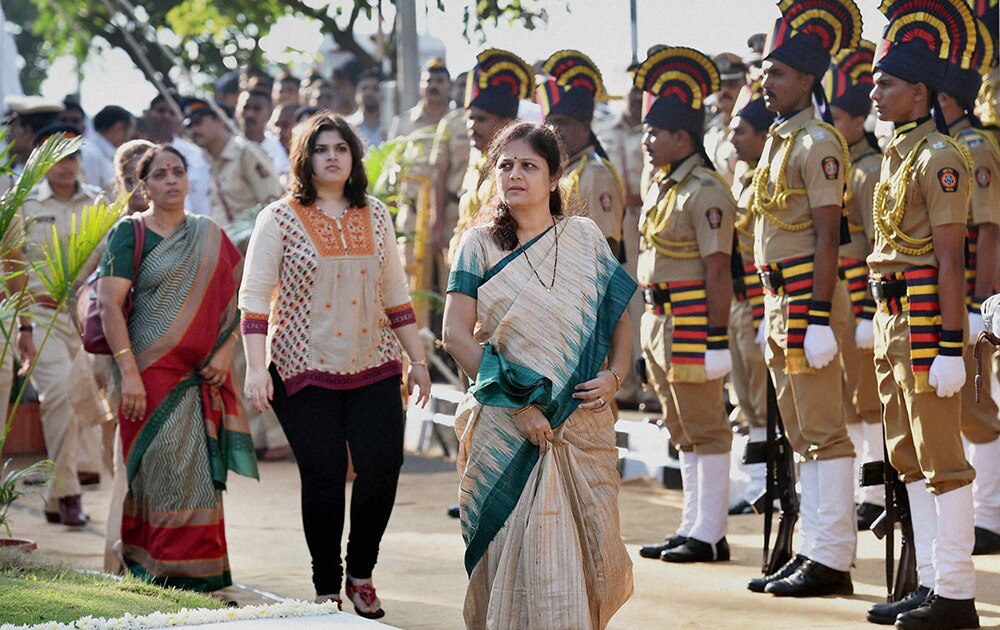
(903,581)
(777,453)
(977,352)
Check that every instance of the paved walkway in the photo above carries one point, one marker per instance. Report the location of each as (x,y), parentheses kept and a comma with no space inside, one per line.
(420,576)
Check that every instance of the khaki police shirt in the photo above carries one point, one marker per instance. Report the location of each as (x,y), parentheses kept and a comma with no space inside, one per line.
(40,212)
(242,178)
(477,188)
(450,153)
(418,128)
(937,193)
(704,213)
(623,143)
(816,164)
(985,154)
(720,148)
(592,188)
(744,220)
(861,182)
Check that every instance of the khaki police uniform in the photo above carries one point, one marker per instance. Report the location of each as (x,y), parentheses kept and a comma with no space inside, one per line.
(860,393)
(810,402)
(749,375)
(450,157)
(477,188)
(623,144)
(719,147)
(701,224)
(919,426)
(980,421)
(592,187)
(71,404)
(242,178)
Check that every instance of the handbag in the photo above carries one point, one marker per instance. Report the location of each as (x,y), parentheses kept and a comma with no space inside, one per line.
(88,313)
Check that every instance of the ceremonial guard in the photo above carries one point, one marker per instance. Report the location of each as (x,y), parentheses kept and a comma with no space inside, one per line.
(749,128)
(980,421)
(797,201)
(494,90)
(449,163)
(733,74)
(917,278)
(684,271)
(848,83)
(590,181)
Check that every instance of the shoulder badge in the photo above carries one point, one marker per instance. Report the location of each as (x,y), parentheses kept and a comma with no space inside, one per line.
(948,178)
(831,167)
(937,145)
(714,216)
(983,176)
(819,135)
(605,200)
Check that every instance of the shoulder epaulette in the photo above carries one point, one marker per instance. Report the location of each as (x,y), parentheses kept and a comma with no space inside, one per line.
(976,136)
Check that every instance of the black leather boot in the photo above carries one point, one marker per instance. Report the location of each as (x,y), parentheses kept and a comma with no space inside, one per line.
(654,551)
(987,542)
(867,514)
(812,579)
(885,613)
(940,613)
(757,585)
(697,551)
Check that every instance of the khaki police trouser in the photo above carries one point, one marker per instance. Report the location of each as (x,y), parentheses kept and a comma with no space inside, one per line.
(693,412)
(860,392)
(70,402)
(921,433)
(980,421)
(631,391)
(810,404)
(749,375)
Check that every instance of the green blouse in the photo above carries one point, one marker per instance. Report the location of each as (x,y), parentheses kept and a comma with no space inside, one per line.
(118,257)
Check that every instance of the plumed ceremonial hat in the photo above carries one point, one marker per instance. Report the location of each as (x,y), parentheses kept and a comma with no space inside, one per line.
(811,31)
(922,38)
(68,131)
(988,12)
(573,85)
(750,107)
(848,82)
(498,82)
(963,83)
(676,82)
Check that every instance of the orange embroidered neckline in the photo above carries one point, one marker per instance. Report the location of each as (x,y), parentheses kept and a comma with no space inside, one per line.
(349,236)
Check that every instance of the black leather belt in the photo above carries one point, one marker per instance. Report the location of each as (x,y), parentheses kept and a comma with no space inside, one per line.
(883,290)
(772,280)
(655,297)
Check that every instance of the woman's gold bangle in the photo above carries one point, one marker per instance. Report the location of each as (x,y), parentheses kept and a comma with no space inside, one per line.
(522,409)
(421,362)
(121,352)
(618,379)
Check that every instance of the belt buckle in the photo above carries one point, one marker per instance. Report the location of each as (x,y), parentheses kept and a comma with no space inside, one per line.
(877,287)
(765,279)
(647,296)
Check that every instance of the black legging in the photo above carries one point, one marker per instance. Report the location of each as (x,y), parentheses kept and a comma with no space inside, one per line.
(320,425)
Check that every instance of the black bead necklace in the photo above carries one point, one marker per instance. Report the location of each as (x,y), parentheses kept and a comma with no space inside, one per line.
(555,263)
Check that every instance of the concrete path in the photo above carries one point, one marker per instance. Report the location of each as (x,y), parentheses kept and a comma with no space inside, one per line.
(420,576)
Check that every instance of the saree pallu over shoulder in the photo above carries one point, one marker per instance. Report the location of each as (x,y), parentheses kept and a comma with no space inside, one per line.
(562,336)
(177,457)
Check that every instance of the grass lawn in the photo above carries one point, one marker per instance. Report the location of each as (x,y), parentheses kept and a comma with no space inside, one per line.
(34,590)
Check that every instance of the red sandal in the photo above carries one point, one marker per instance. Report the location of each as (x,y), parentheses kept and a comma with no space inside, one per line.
(367,594)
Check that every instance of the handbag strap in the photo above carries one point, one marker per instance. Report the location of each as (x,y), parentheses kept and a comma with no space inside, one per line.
(139,225)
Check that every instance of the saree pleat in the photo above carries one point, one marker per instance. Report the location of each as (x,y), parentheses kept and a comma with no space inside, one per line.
(544,548)
(177,457)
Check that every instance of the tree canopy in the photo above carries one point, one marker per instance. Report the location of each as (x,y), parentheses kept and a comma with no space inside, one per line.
(208,37)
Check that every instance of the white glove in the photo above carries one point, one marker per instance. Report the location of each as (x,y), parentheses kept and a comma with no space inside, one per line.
(976,326)
(991,314)
(820,345)
(761,338)
(864,335)
(718,363)
(947,375)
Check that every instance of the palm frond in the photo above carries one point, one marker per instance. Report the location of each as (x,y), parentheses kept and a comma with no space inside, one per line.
(39,162)
(65,257)
(9,492)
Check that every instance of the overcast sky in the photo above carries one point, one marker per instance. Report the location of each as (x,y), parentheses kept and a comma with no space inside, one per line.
(599,28)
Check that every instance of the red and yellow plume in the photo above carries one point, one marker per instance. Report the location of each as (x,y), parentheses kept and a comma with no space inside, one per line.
(678,71)
(947,26)
(572,68)
(837,23)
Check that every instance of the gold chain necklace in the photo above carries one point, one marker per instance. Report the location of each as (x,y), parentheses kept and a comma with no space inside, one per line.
(555,263)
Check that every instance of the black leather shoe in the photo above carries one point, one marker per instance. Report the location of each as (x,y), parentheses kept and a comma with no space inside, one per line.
(757,585)
(697,551)
(940,613)
(812,579)
(987,542)
(743,507)
(885,613)
(454,511)
(653,552)
(868,513)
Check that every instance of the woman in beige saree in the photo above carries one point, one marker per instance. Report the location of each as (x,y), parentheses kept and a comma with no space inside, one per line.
(536,304)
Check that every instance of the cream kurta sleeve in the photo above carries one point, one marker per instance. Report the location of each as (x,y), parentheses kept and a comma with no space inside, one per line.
(261,272)
(393,283)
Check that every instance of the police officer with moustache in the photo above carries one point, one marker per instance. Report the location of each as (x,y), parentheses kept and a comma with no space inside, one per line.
(684,270)
(980,421)
(847,85)
(590,181)
(733,73)
(749,129)
(797,204)
(920,212)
